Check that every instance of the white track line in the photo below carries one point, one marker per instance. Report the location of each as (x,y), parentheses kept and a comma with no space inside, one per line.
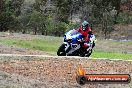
(19,55)
(76,57)
(111,59)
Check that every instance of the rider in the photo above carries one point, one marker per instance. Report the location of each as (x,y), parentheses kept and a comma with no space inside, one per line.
(86,31)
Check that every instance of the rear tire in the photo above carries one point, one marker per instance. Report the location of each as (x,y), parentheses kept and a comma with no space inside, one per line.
(61,50)
(93,45)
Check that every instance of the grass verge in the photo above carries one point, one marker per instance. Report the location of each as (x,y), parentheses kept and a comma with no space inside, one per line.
(35,44)
(111,55)
(52,45)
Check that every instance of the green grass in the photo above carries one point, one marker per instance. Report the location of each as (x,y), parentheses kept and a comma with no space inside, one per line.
(111,55)
(51,44)
(35,44)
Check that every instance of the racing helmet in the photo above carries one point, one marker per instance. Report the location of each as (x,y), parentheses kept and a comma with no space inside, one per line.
(85,24)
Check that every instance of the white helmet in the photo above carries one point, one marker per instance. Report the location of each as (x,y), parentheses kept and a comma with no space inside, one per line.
(85,24)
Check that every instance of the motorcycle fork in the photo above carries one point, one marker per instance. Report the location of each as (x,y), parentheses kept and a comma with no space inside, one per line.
(68,49)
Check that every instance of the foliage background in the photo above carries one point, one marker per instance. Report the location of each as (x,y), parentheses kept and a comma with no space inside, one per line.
(54,17)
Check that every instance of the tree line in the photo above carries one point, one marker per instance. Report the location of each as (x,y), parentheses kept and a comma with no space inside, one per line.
(54,17)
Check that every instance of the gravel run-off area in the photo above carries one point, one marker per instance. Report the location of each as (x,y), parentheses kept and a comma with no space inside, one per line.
(57,72)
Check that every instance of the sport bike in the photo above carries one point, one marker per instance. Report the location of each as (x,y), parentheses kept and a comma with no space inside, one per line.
(73,45)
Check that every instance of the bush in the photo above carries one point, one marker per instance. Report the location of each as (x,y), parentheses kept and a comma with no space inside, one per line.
(60,28)
(124,18)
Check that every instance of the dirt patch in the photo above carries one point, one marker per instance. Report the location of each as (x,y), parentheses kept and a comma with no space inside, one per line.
(60,72)
(6,35)
(122,32)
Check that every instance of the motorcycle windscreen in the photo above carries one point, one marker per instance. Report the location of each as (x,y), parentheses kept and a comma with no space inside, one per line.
(74,32)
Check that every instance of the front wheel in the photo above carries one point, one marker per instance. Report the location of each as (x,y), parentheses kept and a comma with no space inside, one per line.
(89,53)
(61,50)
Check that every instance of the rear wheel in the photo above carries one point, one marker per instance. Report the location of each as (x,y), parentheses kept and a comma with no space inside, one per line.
(61,50)
(93,45)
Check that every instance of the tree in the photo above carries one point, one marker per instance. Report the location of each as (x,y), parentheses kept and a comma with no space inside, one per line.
(41,16)
(63,10)
(10,10)
(102,11)
(2,16)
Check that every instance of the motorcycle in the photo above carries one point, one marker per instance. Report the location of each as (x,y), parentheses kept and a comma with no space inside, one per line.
(73,45)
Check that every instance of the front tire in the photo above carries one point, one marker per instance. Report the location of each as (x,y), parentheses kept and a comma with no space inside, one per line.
(89,53)
(61,50)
